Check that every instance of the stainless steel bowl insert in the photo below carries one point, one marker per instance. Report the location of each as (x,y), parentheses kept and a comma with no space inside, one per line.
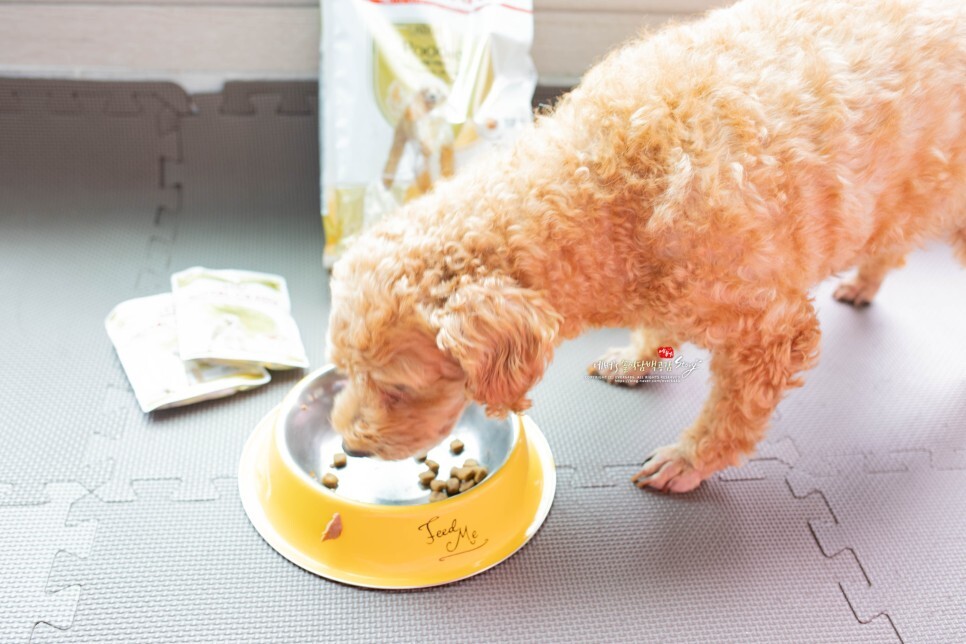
(308,443)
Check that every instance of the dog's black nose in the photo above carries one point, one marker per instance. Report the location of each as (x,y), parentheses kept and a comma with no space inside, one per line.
(358,453)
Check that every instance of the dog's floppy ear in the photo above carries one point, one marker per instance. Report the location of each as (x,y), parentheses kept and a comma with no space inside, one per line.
(502,335)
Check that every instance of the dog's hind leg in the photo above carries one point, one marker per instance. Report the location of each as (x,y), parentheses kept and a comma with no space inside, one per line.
(862,287)
(751,369)
(958,241)
(623,365)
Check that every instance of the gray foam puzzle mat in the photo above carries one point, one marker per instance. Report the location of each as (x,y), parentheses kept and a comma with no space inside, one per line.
(656,551)
(117,526)
(906,536)
(84,224)
(26,598)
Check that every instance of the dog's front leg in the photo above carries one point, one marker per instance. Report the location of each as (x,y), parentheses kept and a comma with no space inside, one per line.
(751,370)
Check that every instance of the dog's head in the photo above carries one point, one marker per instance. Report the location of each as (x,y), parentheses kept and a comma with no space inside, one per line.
(417,351)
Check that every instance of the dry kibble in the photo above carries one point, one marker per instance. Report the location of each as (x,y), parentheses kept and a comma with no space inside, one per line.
(330,481)
(456,446)
(421,456)
(453,485)
(339,460)
(460,479)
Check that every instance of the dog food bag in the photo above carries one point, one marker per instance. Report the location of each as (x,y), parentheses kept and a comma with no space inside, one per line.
(233,316)
(144,333)
(412,91)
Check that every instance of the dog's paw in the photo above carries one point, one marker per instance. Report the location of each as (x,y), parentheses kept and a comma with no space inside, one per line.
(620,366)
(667,470)
(856,293)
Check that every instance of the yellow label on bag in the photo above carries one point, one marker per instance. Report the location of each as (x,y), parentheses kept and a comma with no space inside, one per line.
(427,58)
(411,93)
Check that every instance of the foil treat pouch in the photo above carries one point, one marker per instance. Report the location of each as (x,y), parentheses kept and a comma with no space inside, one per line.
(234,316)
(144,334)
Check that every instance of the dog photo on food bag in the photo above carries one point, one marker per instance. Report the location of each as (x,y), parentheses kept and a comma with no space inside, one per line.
(726,165)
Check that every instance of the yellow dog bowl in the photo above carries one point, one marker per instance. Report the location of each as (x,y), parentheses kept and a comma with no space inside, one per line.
(392,536)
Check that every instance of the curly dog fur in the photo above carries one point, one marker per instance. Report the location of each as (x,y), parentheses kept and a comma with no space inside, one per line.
(694,187)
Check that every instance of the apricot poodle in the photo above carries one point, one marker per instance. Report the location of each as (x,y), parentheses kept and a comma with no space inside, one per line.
(694,187)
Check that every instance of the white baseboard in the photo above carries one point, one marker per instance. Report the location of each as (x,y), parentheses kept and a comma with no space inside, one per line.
(203,44)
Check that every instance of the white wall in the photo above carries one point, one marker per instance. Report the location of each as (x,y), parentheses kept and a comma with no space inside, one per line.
(202,43)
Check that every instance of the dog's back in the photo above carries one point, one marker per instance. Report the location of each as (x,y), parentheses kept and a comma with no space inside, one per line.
(817,132)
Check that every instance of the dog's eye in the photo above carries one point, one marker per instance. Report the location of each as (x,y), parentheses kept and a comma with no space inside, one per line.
(394,394)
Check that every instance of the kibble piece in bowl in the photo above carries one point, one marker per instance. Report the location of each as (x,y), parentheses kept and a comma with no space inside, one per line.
(339,460)
(453,485)
(433,465)
(456,447)
(330,481)
(426,477)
